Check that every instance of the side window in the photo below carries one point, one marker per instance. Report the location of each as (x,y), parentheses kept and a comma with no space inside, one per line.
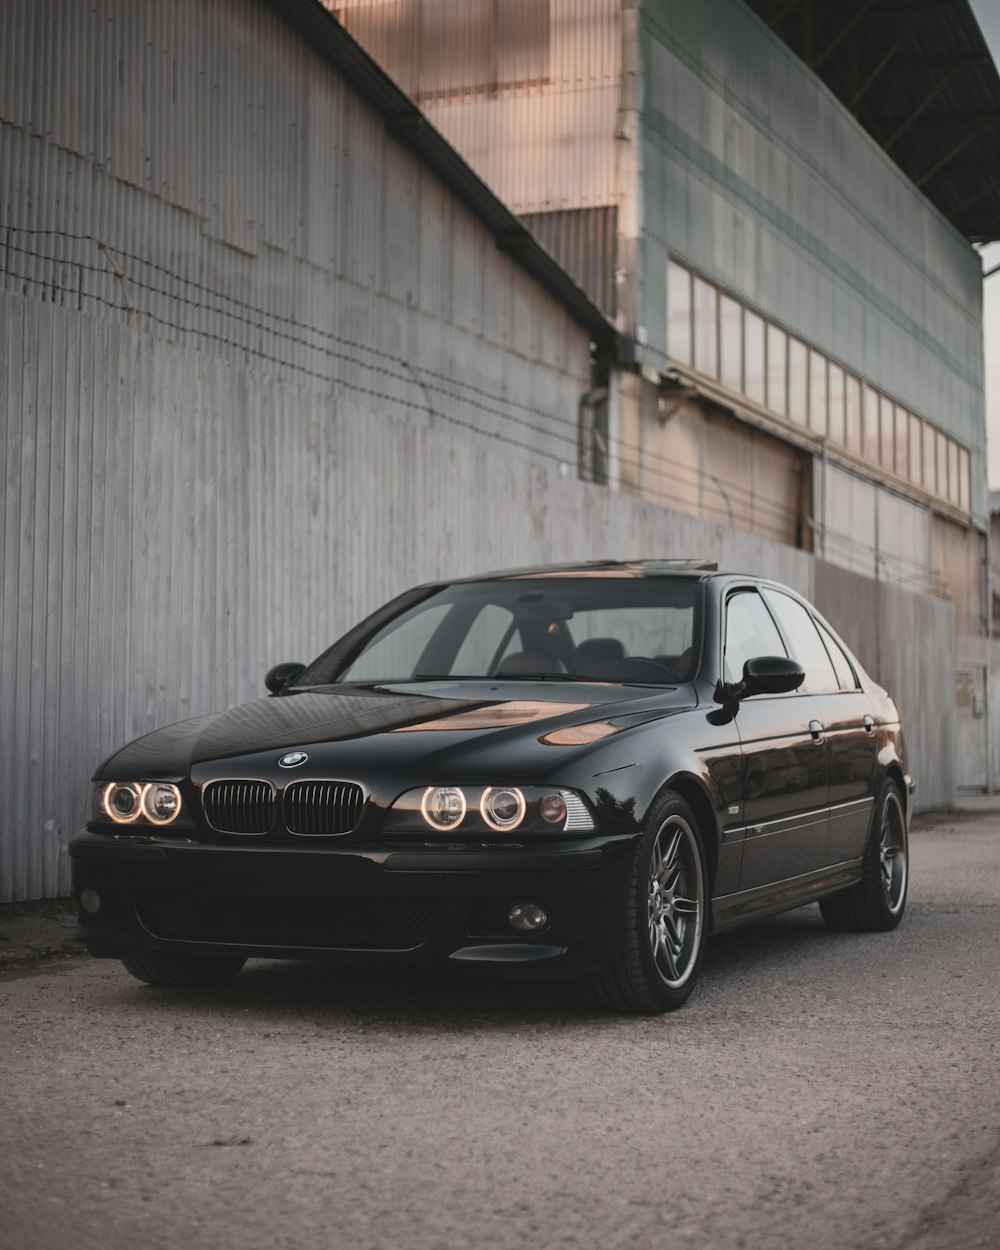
(486,634)
(845,670)
(806,644)
(750,632)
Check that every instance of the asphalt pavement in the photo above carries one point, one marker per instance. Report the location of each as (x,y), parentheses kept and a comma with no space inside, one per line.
(819,1090)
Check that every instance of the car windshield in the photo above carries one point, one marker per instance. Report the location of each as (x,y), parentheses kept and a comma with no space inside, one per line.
(642,631)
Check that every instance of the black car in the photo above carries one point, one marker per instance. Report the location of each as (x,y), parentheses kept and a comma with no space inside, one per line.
(576,771)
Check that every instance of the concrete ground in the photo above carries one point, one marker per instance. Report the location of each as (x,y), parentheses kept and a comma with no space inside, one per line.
(824,1090)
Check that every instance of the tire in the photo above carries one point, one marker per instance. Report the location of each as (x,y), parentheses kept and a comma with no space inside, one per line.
(877,902)
(184,971)
(666,916)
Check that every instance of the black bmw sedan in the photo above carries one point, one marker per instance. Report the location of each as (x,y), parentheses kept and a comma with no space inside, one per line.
(576,771)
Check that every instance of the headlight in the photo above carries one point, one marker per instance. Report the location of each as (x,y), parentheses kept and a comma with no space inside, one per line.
(122,801)
(161,802)
(485,811)
(502,809)
(129,802)
(443,807)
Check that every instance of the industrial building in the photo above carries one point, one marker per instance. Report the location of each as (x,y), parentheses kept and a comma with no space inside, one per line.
(779,219)
(285,328)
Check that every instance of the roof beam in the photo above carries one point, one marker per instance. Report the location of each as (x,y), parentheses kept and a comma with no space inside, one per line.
(844,31)
(945,161)
(918,111)
(938,62)
(880,68)
(965,205)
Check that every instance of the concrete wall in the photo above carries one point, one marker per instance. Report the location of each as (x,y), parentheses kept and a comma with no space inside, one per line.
(907,642)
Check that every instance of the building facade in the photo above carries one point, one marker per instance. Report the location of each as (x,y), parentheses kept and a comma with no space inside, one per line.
(805,322)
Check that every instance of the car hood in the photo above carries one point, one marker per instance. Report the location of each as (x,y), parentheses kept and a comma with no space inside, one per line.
(403,723)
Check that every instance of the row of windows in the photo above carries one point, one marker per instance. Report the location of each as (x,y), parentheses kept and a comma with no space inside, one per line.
(721,338)
(751,632)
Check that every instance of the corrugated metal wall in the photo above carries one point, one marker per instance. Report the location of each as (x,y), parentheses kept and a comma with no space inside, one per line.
(553,65)
(173,524)
(195,170)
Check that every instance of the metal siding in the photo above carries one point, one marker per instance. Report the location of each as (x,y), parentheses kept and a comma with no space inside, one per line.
(755,174)
(545,143)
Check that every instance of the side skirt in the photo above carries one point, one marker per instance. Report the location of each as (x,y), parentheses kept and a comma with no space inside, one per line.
(767,900)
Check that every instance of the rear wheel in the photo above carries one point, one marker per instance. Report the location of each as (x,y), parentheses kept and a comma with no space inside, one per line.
(876,903)
(665,916)
(180,971)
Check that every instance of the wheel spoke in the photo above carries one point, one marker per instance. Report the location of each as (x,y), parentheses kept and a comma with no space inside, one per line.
(669,862)
(668,955)
(686,906)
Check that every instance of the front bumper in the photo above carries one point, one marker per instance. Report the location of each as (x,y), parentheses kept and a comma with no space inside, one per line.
(389,904)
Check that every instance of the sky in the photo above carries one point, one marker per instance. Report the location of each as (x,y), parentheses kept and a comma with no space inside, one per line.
(988,16)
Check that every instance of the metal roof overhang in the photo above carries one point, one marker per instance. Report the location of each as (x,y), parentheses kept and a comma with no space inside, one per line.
(917,74)
(408,125)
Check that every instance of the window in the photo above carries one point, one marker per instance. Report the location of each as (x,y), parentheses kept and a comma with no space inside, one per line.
(836,385)
(842,665)
(887,433)
(916,448)
(395,652)
(817,393)
(963,478)
(679,314)
(777,347)
(852,415)
(902,434)
(750,632)
(953,491)
(706,331)
(716,334)
(798,382)
(941,456)
(806,644)
(488,632)
(872,441)
(753,356)
(930,458)
(731,343)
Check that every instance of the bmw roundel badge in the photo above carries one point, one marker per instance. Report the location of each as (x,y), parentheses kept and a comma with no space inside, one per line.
(293,759)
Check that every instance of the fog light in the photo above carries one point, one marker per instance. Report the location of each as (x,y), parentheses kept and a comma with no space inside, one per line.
(527,917)
(90,900)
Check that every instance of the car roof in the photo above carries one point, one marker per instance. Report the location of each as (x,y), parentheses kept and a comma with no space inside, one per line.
(694,568)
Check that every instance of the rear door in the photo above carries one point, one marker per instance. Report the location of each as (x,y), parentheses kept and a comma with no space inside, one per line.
(845,716)
(784,761)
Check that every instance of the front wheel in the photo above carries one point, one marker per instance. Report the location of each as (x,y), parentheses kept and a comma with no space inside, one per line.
(876,903)
(184,971)
(665,916)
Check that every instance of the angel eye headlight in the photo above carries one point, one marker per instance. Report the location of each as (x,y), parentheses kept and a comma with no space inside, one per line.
(161,802)
(502,807)
(443,807)
(122,801)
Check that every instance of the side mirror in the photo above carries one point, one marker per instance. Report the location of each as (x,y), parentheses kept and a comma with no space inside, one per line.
(767,674)
(282,675)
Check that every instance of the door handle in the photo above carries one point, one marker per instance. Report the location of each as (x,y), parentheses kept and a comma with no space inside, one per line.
(816,729)
(869,725)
